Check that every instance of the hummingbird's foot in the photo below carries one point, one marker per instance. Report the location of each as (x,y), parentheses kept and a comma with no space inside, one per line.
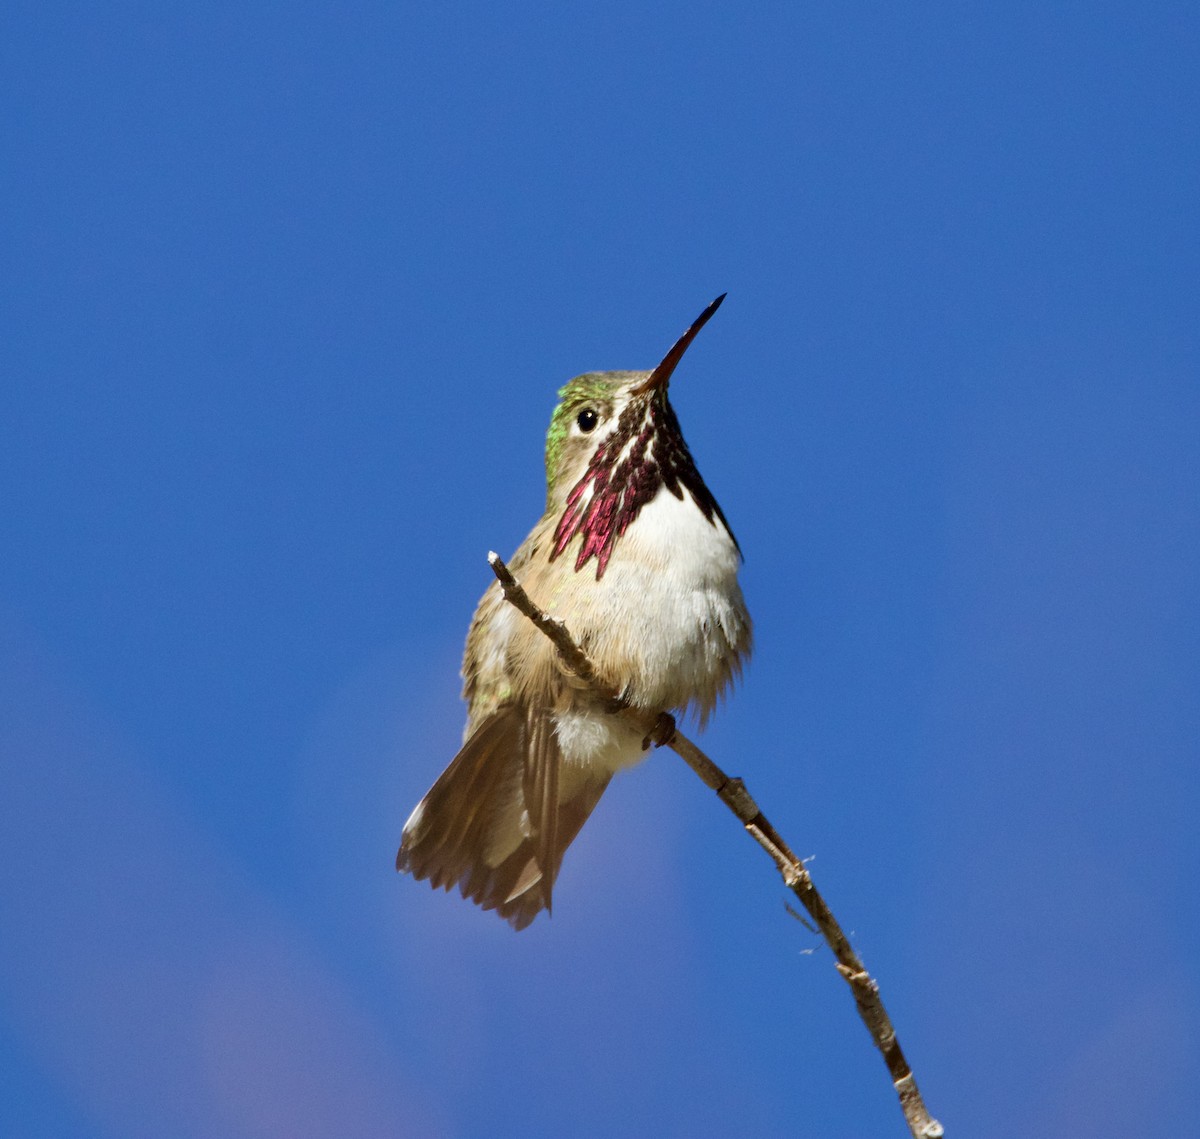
(662,733)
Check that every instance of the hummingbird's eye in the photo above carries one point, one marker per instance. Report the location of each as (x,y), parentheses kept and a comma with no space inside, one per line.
(587,420)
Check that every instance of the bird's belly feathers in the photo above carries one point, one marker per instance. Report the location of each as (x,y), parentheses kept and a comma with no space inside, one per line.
(666,622)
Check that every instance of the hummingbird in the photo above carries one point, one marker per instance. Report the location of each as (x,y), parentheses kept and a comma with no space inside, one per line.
(635,556)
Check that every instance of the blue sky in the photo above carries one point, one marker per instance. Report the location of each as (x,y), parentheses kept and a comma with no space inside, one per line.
(288,290)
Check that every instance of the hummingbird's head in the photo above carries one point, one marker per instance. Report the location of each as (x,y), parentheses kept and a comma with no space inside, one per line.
(614,442)
(588,412)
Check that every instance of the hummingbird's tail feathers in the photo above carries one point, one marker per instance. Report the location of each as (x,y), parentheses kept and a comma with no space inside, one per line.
(543,761)
(493,824)
(572,814)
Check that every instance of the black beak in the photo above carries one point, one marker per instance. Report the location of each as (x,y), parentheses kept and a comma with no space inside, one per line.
(661,375)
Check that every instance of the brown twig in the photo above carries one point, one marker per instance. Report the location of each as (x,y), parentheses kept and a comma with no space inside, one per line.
(732,792)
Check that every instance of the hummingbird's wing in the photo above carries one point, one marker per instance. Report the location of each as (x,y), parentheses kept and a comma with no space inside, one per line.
(493,824)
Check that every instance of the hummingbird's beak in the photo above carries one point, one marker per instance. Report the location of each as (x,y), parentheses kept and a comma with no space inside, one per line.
(661,375)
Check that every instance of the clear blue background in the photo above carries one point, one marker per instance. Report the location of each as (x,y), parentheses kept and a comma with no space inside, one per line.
(287,292)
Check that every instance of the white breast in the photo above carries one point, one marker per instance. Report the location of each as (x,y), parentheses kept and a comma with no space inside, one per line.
(668,607)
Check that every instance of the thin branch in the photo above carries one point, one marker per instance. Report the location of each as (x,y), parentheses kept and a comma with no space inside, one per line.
(732,792)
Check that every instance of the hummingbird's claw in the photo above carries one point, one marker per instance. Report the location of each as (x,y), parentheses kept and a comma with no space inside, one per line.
(662,733)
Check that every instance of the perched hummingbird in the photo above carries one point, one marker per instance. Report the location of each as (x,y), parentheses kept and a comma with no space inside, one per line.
(635,556)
